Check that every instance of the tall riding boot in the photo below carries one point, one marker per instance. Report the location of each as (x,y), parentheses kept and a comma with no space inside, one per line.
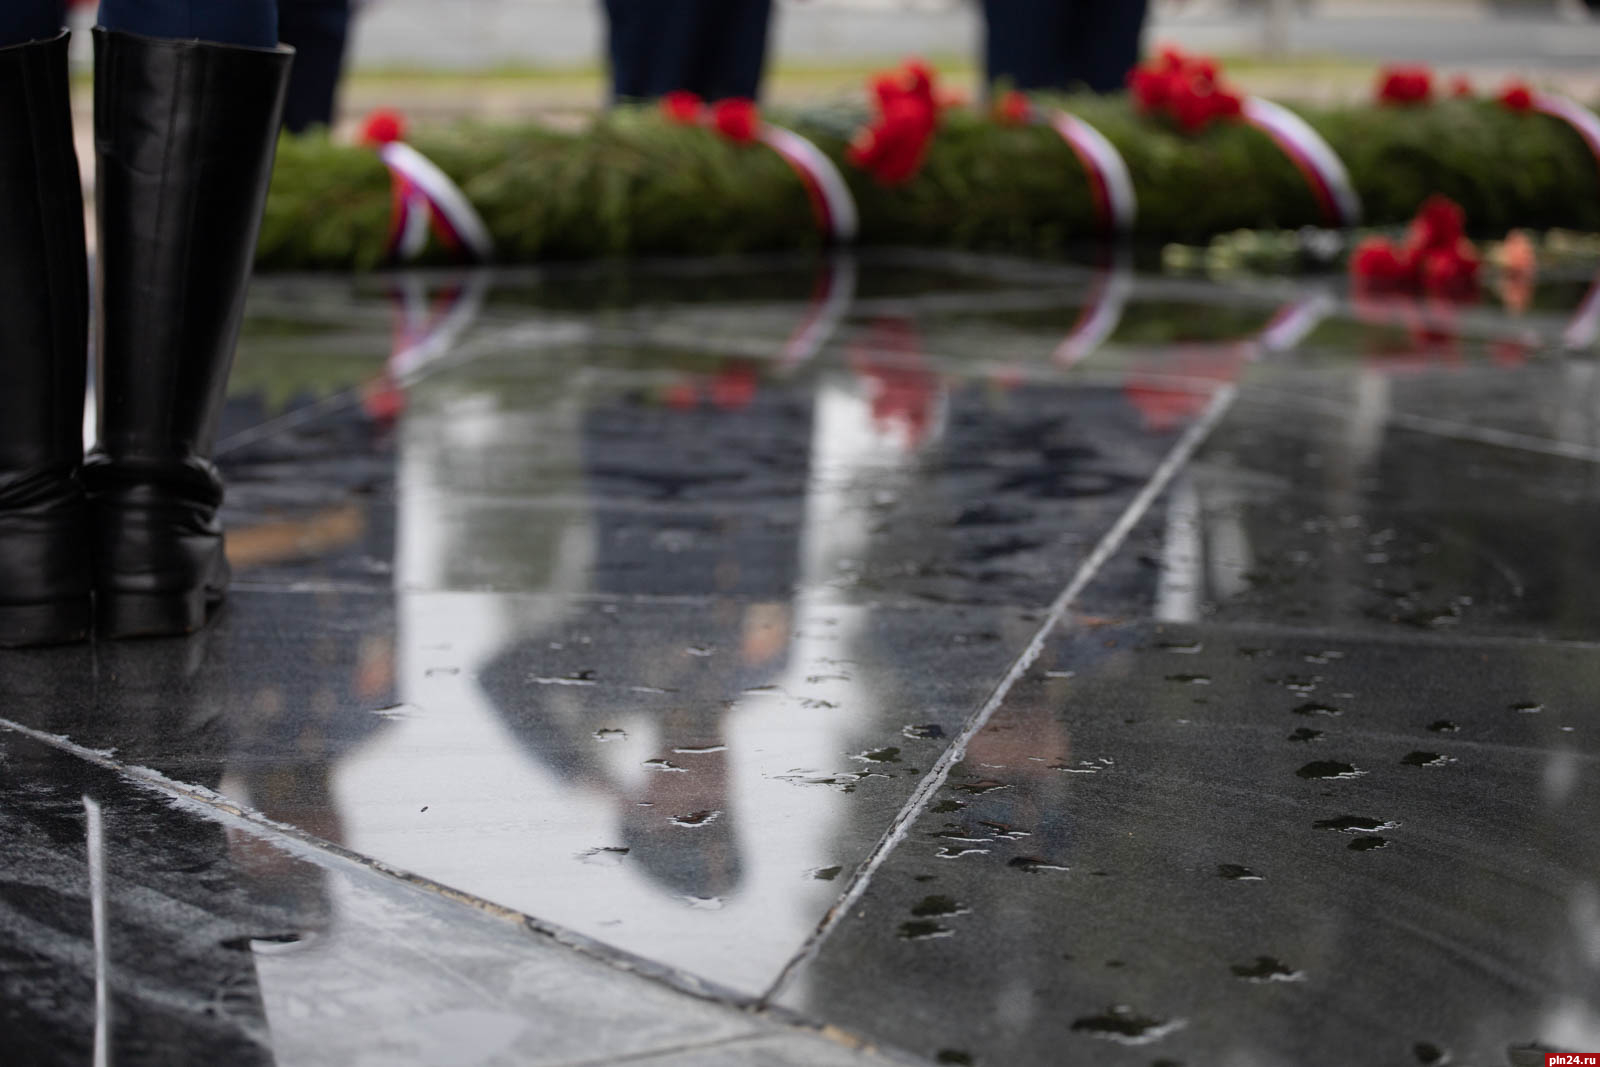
(44,283)
(185,133)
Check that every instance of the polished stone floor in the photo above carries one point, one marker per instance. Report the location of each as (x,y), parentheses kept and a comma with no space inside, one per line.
(908,659)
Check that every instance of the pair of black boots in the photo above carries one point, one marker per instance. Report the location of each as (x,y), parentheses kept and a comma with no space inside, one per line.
(124,541)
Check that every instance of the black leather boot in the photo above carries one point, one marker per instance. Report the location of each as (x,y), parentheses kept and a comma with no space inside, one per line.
(44,282)
(185,133)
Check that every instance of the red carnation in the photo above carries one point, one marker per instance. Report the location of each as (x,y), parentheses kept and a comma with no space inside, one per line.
(1012,109)
(1440,223)
(1376,265)
(682,107)
(1405,85)
(1517,97)
(893,147)
(736,119)
(1188,89)
(383,126)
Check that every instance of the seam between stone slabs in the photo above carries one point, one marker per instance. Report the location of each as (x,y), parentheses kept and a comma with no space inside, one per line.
(1108,545)
(207,803)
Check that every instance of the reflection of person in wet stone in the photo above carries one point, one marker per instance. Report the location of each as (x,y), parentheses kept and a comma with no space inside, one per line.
(695,492)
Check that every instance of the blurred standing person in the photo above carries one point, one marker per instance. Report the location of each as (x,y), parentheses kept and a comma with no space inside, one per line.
(318,31)
(716,49)
(1063,44)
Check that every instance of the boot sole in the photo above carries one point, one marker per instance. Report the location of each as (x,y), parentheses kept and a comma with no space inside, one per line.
(33,625)
(126,615)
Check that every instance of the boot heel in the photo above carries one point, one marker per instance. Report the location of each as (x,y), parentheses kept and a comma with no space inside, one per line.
(121,615)
(30,625)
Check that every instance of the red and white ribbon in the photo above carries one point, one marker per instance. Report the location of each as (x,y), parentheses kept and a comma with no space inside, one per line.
(425,199)
(1110,184)
(1312,156)
(830,196)
(1294,322)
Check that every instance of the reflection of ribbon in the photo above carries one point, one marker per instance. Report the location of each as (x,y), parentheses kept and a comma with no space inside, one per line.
(426,199)
(424,329)
(1101,314)
(830,196)
(1110,185)
(1312,156)
(836,290)
(1295,321)
(1585,325)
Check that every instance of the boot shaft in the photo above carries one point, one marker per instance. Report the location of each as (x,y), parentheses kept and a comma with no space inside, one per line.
(185,133)
(44,275)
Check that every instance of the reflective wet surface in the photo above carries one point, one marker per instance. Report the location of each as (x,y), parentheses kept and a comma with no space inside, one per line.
(940,659)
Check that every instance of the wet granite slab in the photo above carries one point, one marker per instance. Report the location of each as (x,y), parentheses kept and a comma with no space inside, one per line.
(691,781)
(1313,519)
(1223,845)
(645,471)
(224,943)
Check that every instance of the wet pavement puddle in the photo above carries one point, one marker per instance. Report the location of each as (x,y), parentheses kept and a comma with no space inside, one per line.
(639,606)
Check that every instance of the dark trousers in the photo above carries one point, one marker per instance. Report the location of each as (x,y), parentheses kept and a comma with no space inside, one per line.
(240,22)
(317,30)
(714,48)
(1063,44)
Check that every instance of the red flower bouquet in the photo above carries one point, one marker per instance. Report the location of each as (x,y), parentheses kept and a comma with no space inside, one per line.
(1405,85)
(1436,258)
(1188,89)
(894,146)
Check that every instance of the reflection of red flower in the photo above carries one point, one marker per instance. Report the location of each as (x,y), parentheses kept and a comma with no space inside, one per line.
(736,119)
(1405,85)
(902,390)
(682,107)
(1169,394)
(1450,272)
(894,146)
(1188,89)
(734,387)
(1516,97)
(1460,87)
(1012,109)
(383,126)
(681,396)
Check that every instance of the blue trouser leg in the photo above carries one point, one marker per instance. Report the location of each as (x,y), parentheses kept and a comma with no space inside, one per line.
(714,48)
(317,31)
(1105,43)
(251,23)
(1025,42)
(22,21)
(1063,44)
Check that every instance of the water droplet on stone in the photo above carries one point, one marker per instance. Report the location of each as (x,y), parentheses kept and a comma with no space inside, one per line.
(1313,708)
(936,906)
(1443,726)
(1033,865)
(1528,707)
(1354,824)
(1367,844)
(1235,873)
(923,930)
(1305,733)
(931,731)
(1329,769)
(1266,969)
(1425,759)
(1122,1024)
